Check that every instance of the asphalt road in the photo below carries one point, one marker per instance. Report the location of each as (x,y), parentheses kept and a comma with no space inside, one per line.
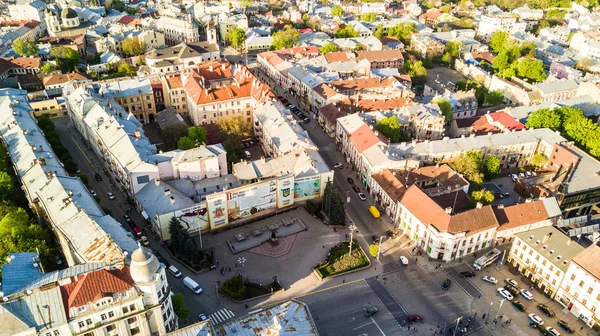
(388,300)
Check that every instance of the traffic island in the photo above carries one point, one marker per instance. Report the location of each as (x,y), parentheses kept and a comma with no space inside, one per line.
(340,262)
(239,289)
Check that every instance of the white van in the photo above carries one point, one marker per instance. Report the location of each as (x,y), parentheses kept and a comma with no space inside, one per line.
(247,155)
(176,273)
(192,285)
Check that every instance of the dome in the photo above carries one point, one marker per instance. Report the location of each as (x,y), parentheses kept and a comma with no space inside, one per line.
(68,13)
(144,265)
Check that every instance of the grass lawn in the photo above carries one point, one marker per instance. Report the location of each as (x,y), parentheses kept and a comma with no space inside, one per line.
(340,261)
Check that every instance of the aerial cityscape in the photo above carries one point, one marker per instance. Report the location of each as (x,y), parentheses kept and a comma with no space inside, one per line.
(299,167)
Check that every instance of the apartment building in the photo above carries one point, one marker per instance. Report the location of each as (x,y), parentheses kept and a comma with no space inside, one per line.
(544,255)
(382,59)
(178,30)
(174,93)
(490,23)
(96,299)
(55,107)
(558,90)
(27,10)
(58,81)
(427,46)
(176,58)
(134,95)
(425,121)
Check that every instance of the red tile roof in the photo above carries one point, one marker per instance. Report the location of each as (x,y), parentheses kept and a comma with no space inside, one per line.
(125,20)
(521,214)
(92,286)
(507,121)
(338,56)
(380,55)
(63,78)
(364,138)
(434,14)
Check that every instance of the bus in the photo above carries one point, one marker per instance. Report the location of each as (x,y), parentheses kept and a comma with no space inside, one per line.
(373,210)
(486,259)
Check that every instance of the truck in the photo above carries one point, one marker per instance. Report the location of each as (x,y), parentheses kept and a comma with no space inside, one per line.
(373,210)
(192,285)
(487,259)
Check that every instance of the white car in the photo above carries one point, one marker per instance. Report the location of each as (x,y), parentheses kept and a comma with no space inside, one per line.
(511,282)
(92,192)
(404,260)
(514,177)
(521,175)
(528,174)
(339,165)
(553,331)
(526,294)
(536,319)
(490,279)
(362,197)
(505,294)
(111,196)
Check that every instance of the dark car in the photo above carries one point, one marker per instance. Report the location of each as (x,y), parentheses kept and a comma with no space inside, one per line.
(356,188)
(350,180)
(546,310)
(392,233)
(467,274)
(518,305)
(370,311)
(414,318)
(513,290)
(306,120)
(566,326)
(98,177)
(375,239)
(446,284)
(504,195)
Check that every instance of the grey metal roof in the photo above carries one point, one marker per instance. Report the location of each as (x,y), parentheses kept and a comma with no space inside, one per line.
(18,271)
(153,200)
(118,233)
(214,184)
(49,312)
(558,248)
(584,176)
(81,196)
(558,86)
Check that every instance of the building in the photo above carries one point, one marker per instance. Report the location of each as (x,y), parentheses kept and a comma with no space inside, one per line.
(91,299)
(58,81)
(180,57)
(521,217)
(227,21)
(76,42)
(382,59)
(431,18)
(543,255)
(174,93)
(490,23)
(27,10)
(559,90)
(427,46)
(134,95)
(178,30)
(495,122)
(55,107)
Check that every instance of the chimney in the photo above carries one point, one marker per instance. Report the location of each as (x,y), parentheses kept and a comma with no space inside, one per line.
(210,68)
(172,199)
(449,210)
(479,205)
(138,133)
(157,182)
(167,192)
(546,237)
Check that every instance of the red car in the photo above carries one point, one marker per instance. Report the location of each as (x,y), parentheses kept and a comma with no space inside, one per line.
(138,231)
(414,318)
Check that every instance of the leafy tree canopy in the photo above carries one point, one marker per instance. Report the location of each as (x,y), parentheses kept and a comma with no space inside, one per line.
(133,46)
(337,11)
(368,17)
(347,31)
(235,37)
(328,47)
(403,31)
(67,59)
(491,168)
(25,48)
(416,71)
(446,107)
(197,136)
(391,128)
(469,164)
(285,38)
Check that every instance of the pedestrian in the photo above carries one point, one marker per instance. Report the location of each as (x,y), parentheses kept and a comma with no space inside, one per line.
(229,269)
(479,297)
(476,312)
(483,317)
(344,281)
(245,305)
(408,328)
(323,246)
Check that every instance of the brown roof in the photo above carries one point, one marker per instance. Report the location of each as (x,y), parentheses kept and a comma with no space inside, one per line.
(588,260)
(389,39)
(90,287)
(363,83)
(63,78)
(64,40)
(484,56)
(174,82)
(521,214)
(339,56)
(19,63)
(331,113)
(214,70)
(350,106)
(390,184)
(324,90)
(434,14)
(380,55)
(364,138)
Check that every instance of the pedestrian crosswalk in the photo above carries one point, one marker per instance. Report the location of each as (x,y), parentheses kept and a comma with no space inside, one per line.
(221,316)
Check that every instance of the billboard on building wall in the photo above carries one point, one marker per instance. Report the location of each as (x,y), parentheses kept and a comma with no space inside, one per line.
(285,192)
(217,210)
(193,218)
(307,188)
(247,201)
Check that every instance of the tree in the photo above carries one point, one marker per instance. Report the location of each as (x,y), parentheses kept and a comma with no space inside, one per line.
(481,196)
(544,118)
(126,69)
(235,37)
(234,287)
(494,98)
(491,168)
(246,3)
(446,108)
(67,59)
(178,234)
(236,129)
(171,134)
(285,38)
(502,61)
(416,71)
(532,69)
(197,136)
(25,48)
(368,17)
(452,51)
(116,5)
(314,23)
(403,31)
(391,128)
(337,11)
(584,65)
(328,47)
(347,31)
(47,68)
(538,159)
(469,164)
(333,205)
(305,17)
(133,46)
(379,32)
(499,41)
(179,307)
(528,49)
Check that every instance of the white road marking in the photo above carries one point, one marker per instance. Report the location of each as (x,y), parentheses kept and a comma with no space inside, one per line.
(364,325)
(377,325)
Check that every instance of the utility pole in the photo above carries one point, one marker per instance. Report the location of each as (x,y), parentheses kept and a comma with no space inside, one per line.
(352,228)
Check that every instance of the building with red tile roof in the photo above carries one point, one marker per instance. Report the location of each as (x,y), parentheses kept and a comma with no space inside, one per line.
(495,122)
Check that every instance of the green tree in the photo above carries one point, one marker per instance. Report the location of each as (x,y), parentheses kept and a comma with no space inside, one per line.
(379,32)
(347,31)
(391,128)
(116,5)
(234,287)
(305,17)
(446,108)
(491,168)
(416,71)
(172,134)
(469,165)
(528,49)
(133,46)
(47,68)
(131,11)
(235,37)
(502,61)
(67,59)
(6,186)
(538,160)
(584,64)
(179,307)
(25,48)
(246,3)
(126,69)
(494,98)
(196,137)
(328,47)
(368,17)
(531,69)
(285,38)
(545,118)
(403,31)
(463,23)
(235,129)
(178,234)
(337,11)
(481,196)
(499,41)
(333,205)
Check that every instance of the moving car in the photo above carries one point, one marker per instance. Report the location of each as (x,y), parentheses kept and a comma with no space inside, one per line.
(127,219)
(467,274)
(526,294)
(201,318)
(404,260)
(338,165)
(566,326)
(520,306)
(513,290)
(375,239)
(362,197)
(175,271)
(111,196)
(370,311)
(414,318)
(536,319)
(192,285)
(553,331)
(446,284)
(355,188)
(505,294)
(549,312)
(350,180)
(98,177)
(372,209)
(511,282)
(490,279)
(306,120)
(505,195)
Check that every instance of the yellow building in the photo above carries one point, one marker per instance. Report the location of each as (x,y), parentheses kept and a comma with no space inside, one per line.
(55,107)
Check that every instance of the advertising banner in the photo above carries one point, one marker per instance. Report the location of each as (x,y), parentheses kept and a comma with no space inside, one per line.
(306,188)
(193,218)
(247,201)
(217,210)
(285,192)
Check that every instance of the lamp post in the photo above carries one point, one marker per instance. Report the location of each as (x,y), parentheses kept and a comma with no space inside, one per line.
(352,228)
(242,262)
(379,247)
(498,313)
(489,313)
(457,322)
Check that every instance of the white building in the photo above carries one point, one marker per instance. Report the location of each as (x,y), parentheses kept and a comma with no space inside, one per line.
(178,30)
(491,23)
(27,10)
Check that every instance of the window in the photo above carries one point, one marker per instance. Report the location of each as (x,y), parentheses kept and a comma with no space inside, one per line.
(581,283)
(132,307)
(135,331)
(576,295)
(568,288)
(132,320)
(149,105)
(544,262)
(56,332)
(590,290)
(81,324)
(537,257)
(572,277)
(88,321)
(110,328)
(111,314)
(584,301)
(103,317)
(140,180)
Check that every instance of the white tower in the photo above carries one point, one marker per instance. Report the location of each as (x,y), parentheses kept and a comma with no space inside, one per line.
(52,23)
(211,32)
(149,277)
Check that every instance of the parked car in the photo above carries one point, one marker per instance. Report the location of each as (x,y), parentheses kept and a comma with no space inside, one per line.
(513,290)
(553,331)
(414,318)
(355,188)
(528,174)
(138,231)
(566,326)
(467,274)
(339,165)
(350,180)
(392,233)
(404,260)
(521,175)
(77,171)
(536,319)
(505,294)
(306,120)
(520,306)
(511,282)
(362,197)
(490,279)
(514,177)
(192,285)
(526,294)
(370,311)
(111,196)
(145,241)
(446,284)
(505,195)
(127,219)
(201,318)
(175,271)
(98,177)
(375,239)
(549,312)
(92,192)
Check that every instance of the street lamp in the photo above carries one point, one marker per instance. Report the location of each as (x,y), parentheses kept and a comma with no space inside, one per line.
(498,313)
(242,261)
(489,313)
(457,322)
(379,247)
(352,228)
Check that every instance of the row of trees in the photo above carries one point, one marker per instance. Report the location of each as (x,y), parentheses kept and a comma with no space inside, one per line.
(516,60)
(572,123)
(47,126)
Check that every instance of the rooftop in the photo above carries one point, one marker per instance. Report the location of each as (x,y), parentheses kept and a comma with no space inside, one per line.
(552,244)
(588,260)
